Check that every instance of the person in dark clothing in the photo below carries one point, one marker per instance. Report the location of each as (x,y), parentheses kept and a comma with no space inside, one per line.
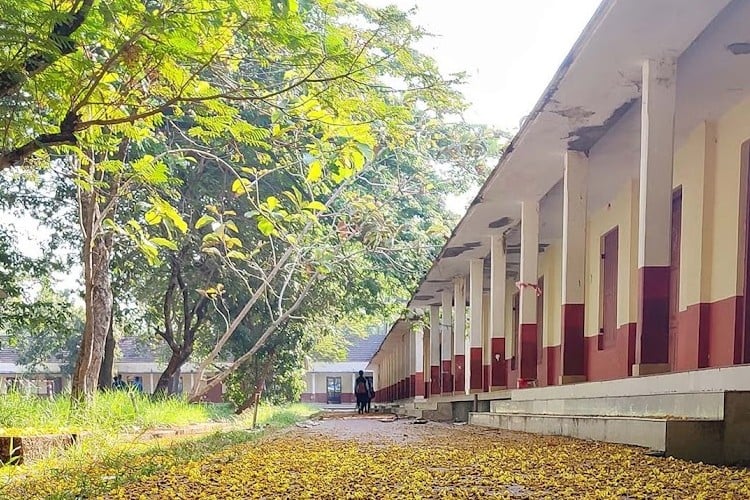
(361,392)
(370,395)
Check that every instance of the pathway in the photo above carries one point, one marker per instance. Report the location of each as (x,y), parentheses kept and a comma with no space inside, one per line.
(374,457)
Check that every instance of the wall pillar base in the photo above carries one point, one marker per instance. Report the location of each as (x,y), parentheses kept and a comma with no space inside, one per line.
(572,379)
(650,369)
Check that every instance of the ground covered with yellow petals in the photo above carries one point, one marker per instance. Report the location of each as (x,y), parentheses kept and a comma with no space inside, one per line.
(369,458)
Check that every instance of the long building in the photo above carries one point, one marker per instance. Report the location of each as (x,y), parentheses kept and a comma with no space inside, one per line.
(602,270)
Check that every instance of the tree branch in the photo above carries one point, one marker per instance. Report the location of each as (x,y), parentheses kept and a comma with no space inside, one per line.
(60,38)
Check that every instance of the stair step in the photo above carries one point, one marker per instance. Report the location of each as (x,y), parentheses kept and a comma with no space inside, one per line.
(698,405)
(683,438)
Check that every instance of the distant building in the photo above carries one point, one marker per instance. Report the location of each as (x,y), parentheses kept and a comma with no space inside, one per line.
(333,382)
(135,362)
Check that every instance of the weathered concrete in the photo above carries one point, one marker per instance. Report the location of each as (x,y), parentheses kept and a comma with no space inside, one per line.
(702,405)
(688,439)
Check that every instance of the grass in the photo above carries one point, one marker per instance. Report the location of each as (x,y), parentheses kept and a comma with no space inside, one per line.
(115,411)
(103,461)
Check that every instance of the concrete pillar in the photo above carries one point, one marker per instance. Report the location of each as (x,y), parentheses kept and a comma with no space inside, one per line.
(435,335)
(498,371)
(575,187)
(446,353)
(486,345)
(411,368)
(426,363)
(476,286)
(417,359)
(459,336)
(529,273)
(655,216)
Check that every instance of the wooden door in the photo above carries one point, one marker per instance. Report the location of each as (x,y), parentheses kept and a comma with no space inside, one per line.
(674,277)
(610,247)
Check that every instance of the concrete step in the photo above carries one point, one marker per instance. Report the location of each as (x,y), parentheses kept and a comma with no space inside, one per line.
(695,405)
(687,439)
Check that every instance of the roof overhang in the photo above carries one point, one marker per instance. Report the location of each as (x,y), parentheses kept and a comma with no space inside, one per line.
(598,84)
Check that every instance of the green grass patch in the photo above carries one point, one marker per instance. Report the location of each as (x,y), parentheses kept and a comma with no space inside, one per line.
(281,416)
(102,462)
(112,411)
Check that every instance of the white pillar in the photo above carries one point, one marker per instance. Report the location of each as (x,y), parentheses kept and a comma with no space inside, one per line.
(498,373)
(459,336)
(435,335)
(655,216)
(417,360)
(476,288)
(486,343)
(575,190)
(446,354)
(529,273)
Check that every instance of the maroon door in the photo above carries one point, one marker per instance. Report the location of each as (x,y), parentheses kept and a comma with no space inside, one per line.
(674,277)
(608,330)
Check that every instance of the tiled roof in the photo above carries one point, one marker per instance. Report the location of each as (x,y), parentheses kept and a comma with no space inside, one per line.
(131,351)
(362,349)
(8,355)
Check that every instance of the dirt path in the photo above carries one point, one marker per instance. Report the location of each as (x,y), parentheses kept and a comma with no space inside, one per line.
(345,456)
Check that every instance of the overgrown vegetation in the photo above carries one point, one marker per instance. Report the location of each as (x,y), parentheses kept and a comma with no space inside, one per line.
(238,182)
(100,463)
(107,412)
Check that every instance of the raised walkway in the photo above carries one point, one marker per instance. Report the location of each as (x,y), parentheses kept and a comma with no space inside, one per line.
(702,415)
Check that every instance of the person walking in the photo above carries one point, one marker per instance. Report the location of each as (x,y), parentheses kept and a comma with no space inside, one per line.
(361,392)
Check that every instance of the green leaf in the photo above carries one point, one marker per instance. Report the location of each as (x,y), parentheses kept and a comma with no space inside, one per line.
(204,220)
(272,202)
(152,217)
(241,186)
(315,205)
(212,251)
(315,172)
(265,226)
(231,225)
(163,242)
(235,254)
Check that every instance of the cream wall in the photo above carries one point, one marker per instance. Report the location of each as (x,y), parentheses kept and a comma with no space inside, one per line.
(732,129)
(621,212)
(347,381)
(550,267)
(708,168)
(698,201)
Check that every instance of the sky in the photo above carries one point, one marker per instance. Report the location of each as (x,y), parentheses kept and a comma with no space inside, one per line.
(510,49)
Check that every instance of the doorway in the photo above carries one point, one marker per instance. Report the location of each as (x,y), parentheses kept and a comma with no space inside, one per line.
(674,277)
(333,390)
(609,248)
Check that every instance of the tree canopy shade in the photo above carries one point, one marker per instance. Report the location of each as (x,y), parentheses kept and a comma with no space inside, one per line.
(268,160)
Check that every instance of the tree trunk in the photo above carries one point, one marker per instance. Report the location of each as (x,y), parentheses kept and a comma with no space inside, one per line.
(105,374)
(166,384)
(98,300)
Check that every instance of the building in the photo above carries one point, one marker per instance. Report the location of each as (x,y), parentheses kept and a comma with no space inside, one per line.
(134,362)
(333,382)
(606,259)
